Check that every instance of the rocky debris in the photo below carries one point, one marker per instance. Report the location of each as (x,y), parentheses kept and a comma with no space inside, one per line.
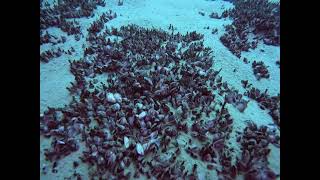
(260,70)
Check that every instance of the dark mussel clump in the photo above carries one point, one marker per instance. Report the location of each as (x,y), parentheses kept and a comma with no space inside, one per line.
(63,15)
(259,18)
(266,101)
(130,115)
(158,87)
(260,70)
(255,141)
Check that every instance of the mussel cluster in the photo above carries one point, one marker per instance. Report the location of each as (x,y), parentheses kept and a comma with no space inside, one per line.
(46,38)
(136,92)
(253,163)
(49,54)
(260,18)
(235,98)
(260,70)
(98,25)
(215,15)
(157,87)
(63,15)
(271,103)
(60,14)
(236,40)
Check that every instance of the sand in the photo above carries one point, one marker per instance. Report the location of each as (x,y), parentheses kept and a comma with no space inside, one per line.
(184,16)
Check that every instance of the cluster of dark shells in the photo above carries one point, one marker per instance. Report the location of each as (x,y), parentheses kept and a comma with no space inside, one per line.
(46,38)
(278,63)
(237,41)
(70,27)
(254,141)
(215,151)
(260,70)
(53,20)
(260,18)
(271,103)
(63,15)
(58,15)
(98,25)
(215,15)
(158,87)
(130,116)
(61,148)
(78,8)
(235,98)
(49,54)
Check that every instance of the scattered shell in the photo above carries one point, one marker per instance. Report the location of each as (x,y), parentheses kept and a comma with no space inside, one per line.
(118,97)
(241,106)
(142,115)
(126,142)
(202,73)
(110,98)
(116,107)
(139,105)
(60,129)
(60,142)
(59,116)
(139,149)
